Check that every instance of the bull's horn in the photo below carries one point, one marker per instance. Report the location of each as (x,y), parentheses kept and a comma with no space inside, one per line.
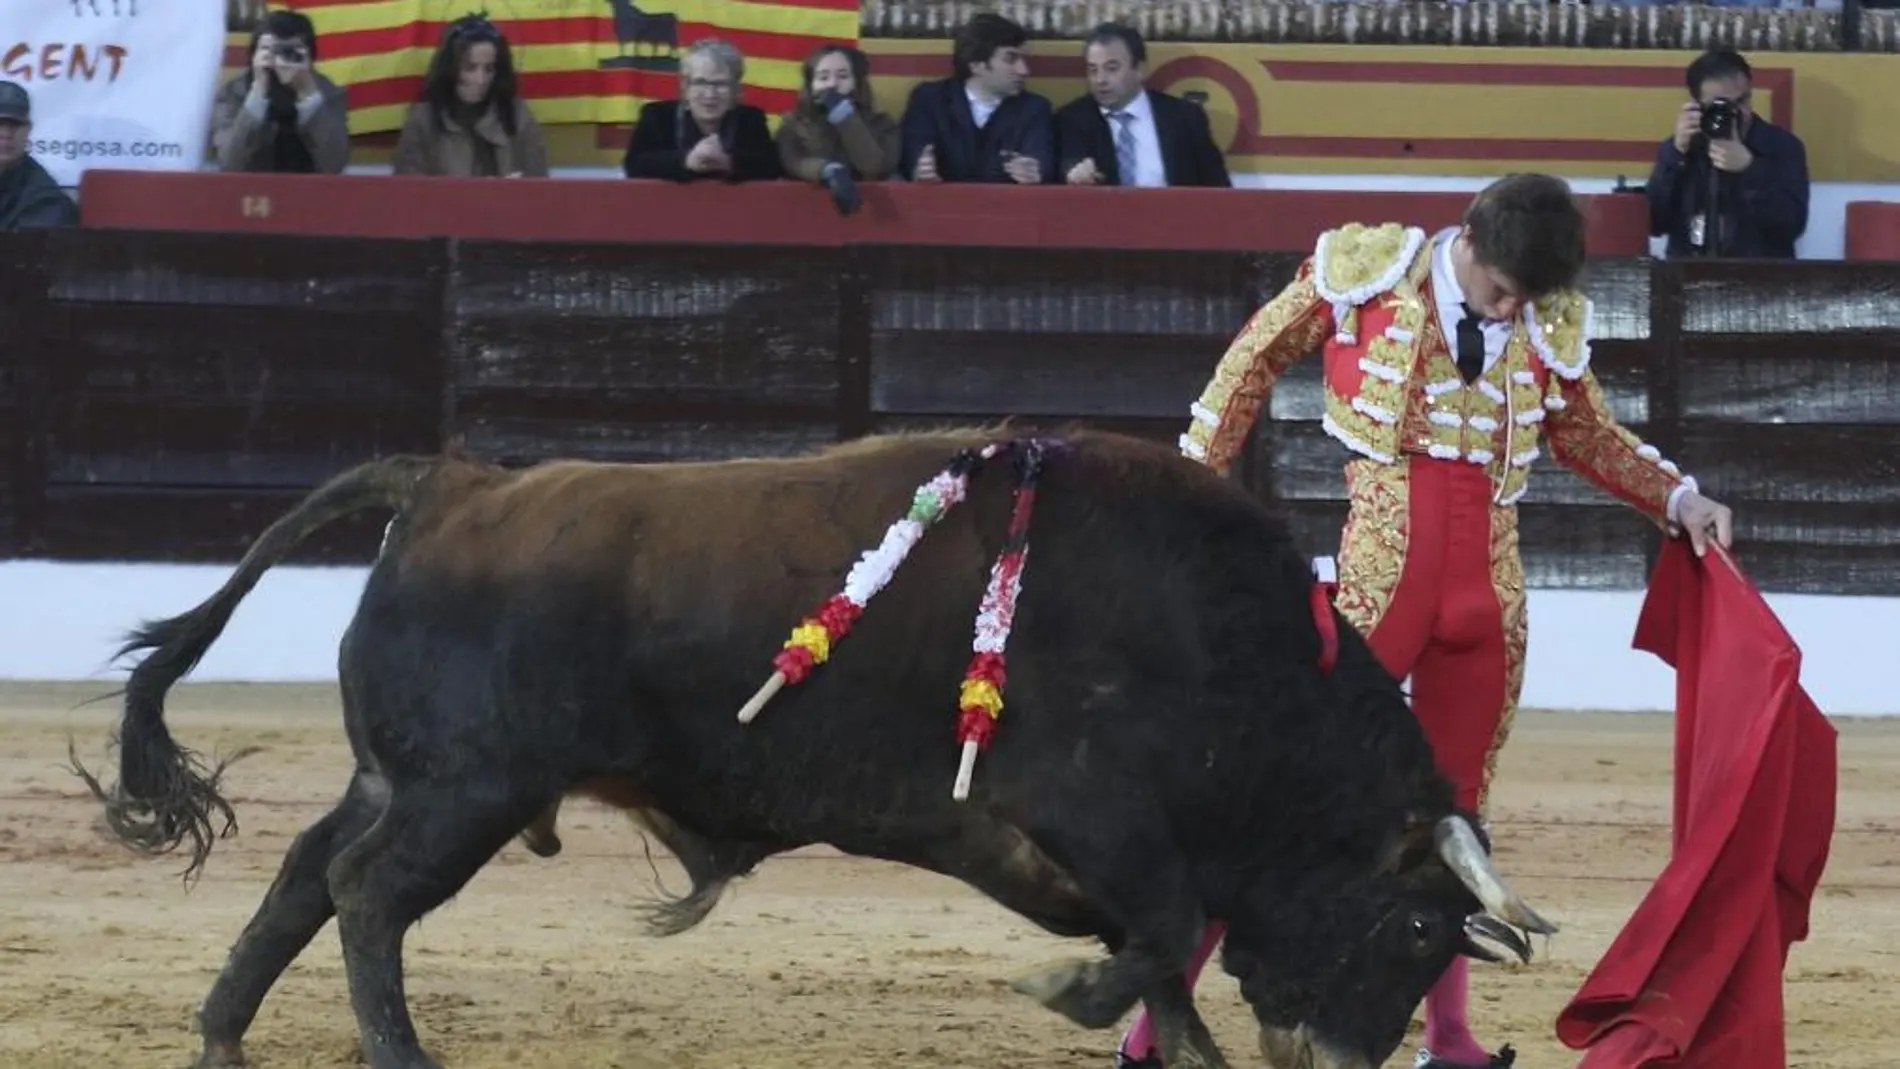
(1485,926)
(1471,948)
(1459,847)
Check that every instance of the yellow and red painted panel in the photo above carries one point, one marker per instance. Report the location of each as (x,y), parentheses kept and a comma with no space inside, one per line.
(1425,110)
(1394,109)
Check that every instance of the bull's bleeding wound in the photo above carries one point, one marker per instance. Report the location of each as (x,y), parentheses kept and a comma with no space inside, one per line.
(811,641)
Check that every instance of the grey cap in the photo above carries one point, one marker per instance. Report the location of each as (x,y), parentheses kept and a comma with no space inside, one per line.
(15,105)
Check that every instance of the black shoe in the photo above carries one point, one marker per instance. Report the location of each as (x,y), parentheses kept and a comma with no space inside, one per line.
(1503,1059)
(1123,1061)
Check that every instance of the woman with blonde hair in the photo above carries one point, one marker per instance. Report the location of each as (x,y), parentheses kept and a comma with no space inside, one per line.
(836,135)
(471,121)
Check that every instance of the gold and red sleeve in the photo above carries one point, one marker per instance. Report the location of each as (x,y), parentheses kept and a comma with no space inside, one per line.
(1297,321)
(1585,437)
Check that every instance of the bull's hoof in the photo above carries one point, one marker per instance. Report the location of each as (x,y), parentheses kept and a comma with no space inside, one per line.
(1189,1058)
(541,844)
(390,1058)
(1069,988)
(225,1055)
(1503,1059)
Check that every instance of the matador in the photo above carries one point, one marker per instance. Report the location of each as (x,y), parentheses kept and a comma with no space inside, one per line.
(1451,361)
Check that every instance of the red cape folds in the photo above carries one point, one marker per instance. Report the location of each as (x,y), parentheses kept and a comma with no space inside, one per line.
(1694,979)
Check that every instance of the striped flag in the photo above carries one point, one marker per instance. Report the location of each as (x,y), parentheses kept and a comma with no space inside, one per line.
(579,61)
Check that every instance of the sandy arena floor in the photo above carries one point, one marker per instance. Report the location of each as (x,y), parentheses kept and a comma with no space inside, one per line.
(816,962)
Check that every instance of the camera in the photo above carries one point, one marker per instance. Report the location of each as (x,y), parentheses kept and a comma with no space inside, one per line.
(1718,119)
(290,51)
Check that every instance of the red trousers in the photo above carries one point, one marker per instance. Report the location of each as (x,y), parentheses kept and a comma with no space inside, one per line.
(1429,573)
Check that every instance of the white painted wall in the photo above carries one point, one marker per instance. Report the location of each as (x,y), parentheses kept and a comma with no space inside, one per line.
(62,622)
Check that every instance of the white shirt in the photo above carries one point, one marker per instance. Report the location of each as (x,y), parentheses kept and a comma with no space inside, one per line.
(1149,170)
(1450,298)
(980,109)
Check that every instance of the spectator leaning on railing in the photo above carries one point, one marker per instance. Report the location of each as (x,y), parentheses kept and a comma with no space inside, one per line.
(707,133)
(1123,133)
(29,196)
(282,116)
(980,124)
(1758,171)
(836,135)
(471,121)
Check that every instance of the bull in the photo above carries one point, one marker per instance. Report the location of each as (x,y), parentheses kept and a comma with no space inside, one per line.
(1173,749)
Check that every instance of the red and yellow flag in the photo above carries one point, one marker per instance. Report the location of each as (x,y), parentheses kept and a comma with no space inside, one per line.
(579,61)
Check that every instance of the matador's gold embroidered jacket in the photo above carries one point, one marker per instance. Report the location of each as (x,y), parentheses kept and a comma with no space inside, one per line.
(1392,386)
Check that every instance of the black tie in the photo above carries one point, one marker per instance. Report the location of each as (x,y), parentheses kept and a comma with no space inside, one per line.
(1470,345)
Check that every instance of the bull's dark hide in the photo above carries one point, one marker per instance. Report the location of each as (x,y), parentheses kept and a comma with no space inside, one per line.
(1169,750)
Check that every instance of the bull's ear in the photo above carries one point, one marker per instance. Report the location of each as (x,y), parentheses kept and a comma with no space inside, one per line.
(1411,846)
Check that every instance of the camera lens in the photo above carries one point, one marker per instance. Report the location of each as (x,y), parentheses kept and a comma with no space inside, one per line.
(1718,118)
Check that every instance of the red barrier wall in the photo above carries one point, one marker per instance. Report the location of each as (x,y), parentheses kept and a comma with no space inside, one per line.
(1873,230)
(783,213)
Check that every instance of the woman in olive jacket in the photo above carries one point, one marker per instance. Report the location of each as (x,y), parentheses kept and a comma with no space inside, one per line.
(836,134)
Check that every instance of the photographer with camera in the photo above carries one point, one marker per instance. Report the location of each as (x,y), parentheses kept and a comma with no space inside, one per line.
(281,116)
(1728,182)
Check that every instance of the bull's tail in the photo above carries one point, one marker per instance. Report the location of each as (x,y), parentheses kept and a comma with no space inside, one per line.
(166,795)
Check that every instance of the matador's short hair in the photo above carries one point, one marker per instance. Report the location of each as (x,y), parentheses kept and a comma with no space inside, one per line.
(1531,228)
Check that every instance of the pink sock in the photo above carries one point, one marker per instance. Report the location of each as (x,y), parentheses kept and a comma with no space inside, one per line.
(1140,1040)
(1447,1030)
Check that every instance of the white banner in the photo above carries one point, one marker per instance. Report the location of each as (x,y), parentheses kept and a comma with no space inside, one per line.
(118,84)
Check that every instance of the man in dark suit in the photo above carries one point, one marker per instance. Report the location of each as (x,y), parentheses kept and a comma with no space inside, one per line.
(1123,133)
(980,125)
(1755,172)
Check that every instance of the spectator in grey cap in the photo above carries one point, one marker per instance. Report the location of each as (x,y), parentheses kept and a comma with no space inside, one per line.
(29,196)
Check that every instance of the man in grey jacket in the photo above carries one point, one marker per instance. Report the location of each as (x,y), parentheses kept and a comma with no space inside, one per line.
(281,115)
(29,196)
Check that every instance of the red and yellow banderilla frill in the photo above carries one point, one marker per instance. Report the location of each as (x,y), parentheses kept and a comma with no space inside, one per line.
(980,698)
(812,640)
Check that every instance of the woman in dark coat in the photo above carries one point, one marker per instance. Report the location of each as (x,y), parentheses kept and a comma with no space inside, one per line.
(706,133)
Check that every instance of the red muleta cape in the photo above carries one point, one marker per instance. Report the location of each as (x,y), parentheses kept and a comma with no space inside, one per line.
(1694,980)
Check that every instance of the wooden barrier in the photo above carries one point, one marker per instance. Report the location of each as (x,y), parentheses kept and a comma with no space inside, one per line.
(170,392)
(783,212)
(22,285)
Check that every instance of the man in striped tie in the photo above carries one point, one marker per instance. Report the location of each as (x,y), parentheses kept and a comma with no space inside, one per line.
(1125,134)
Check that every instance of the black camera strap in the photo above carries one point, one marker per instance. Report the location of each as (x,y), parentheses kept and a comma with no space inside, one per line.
(1706,230)
(1712,227)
